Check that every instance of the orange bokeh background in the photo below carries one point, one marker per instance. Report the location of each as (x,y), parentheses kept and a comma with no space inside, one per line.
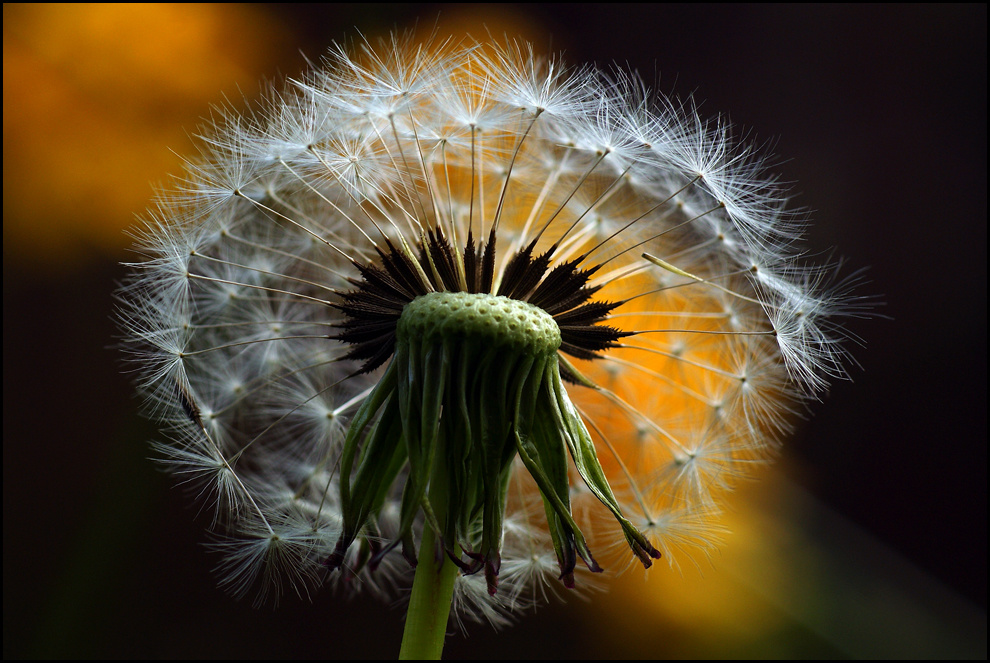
(94,95)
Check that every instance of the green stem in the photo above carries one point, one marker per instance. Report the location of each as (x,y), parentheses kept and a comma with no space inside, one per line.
(429,605)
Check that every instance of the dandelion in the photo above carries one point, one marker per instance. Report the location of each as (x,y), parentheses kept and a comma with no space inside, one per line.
(467,310)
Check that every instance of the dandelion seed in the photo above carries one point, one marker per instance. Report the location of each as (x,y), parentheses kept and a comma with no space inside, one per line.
(477,309)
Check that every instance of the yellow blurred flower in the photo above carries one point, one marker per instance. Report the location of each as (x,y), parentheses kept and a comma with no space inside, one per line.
(93,96)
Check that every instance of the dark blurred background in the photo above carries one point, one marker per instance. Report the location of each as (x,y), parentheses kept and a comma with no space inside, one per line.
(868,539)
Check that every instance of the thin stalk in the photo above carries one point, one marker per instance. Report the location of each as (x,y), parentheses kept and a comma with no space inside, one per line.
(429,605)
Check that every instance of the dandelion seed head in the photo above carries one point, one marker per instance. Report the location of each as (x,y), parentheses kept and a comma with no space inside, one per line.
(538,310)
